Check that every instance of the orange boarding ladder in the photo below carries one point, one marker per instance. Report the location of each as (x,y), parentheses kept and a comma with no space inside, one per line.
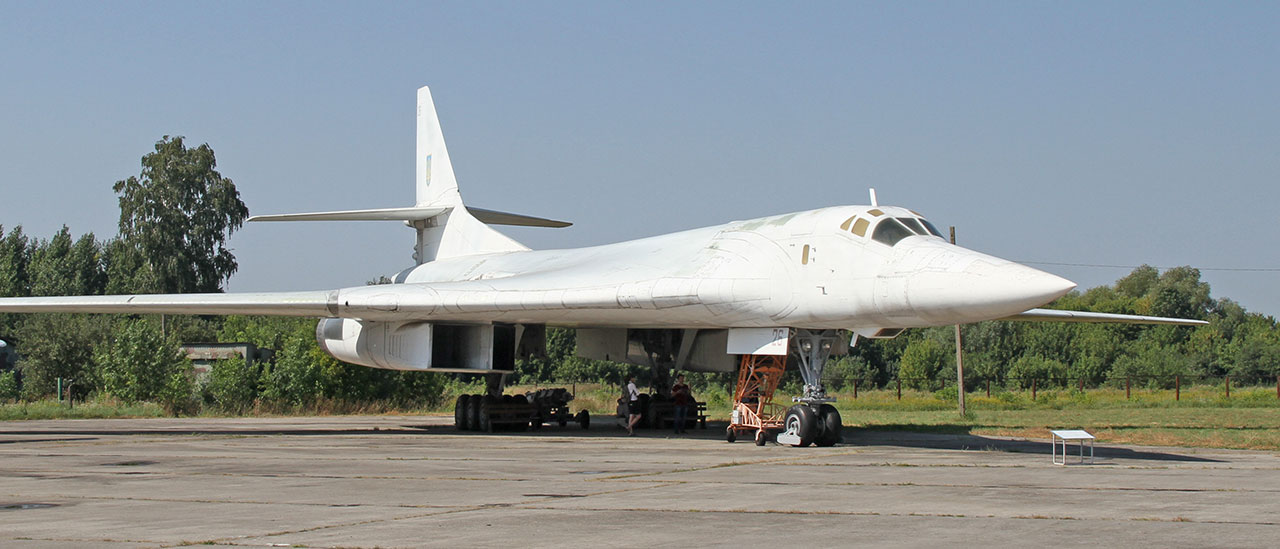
(753,408)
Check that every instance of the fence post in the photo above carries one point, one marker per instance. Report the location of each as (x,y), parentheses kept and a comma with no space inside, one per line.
(1228,386)
(855,389)
(899,388)
(1033,389)
(1126,387)
(1177,387)
(1277,387)
(1081,386)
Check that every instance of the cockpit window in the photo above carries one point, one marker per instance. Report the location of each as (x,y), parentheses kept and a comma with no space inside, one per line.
(931,228)
(913,224)
(890,231)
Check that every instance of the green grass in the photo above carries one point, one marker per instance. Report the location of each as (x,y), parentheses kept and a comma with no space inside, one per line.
(1202,417)
(52,409)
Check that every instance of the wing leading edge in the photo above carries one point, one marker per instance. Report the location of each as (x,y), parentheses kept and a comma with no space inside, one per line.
(315,303)
(1054,315)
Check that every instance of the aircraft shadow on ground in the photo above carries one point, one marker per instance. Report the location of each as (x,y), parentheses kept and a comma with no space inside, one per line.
(958,438)
(955,437)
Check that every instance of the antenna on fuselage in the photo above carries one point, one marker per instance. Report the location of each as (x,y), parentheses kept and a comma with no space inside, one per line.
(874,202)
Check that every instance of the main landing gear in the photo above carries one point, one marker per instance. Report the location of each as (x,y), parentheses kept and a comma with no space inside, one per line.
(811,420)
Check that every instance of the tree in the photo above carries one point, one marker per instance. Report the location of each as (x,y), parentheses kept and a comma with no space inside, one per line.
(15,255)
(232,385)
(60,267)
(60,346)
(921,361)
(175,219)
(141,364)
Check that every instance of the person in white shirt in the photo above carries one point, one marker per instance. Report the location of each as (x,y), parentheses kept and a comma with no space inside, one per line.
(633,406)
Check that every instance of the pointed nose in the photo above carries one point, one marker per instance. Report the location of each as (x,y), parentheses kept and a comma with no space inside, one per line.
(1007,288)
(954,285)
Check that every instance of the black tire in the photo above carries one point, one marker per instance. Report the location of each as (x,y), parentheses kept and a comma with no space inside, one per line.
(730,435)
(484,421)
(460,413)
(804,421)
(760,438)
(584,419)
(473,412)
(831,425)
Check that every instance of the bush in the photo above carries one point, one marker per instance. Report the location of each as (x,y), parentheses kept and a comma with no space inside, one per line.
(296,379)
(1042,370)
(921,361)
(8,386)
(232,386)
(142,365)
(947,394)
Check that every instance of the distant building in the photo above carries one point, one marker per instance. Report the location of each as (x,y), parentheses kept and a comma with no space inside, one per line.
(203,355)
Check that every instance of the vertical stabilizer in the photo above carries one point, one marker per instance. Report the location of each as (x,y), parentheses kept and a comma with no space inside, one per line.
(436,185)
(457,232)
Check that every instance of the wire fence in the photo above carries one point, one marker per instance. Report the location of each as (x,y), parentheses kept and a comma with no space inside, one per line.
(1173,383)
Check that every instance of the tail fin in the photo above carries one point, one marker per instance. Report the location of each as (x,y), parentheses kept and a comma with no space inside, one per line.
(456,233)
(446,228)
(436,185)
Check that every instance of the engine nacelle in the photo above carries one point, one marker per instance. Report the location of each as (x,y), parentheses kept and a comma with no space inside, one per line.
(421,345)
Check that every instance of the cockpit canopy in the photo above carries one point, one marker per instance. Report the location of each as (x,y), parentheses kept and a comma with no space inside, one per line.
(892,229)
(889,230)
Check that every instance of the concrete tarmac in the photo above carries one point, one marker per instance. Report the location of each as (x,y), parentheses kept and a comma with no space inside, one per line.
(397,481)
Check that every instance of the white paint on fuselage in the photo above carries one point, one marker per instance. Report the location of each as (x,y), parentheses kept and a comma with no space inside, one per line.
(753,273)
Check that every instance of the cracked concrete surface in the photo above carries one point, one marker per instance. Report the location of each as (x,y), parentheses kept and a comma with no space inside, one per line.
(389,481)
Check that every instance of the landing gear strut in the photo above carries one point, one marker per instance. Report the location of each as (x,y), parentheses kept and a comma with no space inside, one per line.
(812,419)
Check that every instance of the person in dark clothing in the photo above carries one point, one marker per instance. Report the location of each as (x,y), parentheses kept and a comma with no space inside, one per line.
(681,399)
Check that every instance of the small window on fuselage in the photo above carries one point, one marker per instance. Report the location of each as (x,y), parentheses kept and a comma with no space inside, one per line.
(890,231)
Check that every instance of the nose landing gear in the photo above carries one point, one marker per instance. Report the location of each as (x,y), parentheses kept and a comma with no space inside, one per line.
(812,419)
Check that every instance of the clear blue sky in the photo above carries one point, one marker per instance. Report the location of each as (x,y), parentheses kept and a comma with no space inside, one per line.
(1108,133)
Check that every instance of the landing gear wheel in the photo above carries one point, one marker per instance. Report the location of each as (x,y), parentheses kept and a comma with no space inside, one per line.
(584,419)
(760,438)
(473,412)
(802,421)
(830,425)
(730,435)
(486,420)
(460,413)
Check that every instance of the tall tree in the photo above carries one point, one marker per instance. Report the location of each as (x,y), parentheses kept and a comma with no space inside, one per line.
(175,219)
(15,255)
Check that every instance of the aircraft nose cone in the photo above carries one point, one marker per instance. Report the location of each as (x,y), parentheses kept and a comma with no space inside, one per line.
(953,285)
(1008,288)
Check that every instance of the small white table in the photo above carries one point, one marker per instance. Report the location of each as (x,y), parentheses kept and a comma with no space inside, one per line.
(1073,434)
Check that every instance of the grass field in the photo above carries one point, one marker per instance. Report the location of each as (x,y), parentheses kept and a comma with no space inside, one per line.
(1202,417)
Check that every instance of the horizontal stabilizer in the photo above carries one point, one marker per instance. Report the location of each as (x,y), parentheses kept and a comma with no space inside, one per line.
(492,217)
(382,214)
(1053,315)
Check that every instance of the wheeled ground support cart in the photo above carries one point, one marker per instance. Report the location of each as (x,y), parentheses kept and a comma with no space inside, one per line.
(811,420)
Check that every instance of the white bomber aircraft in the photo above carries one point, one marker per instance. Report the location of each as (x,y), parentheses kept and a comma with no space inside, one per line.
(692,300)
